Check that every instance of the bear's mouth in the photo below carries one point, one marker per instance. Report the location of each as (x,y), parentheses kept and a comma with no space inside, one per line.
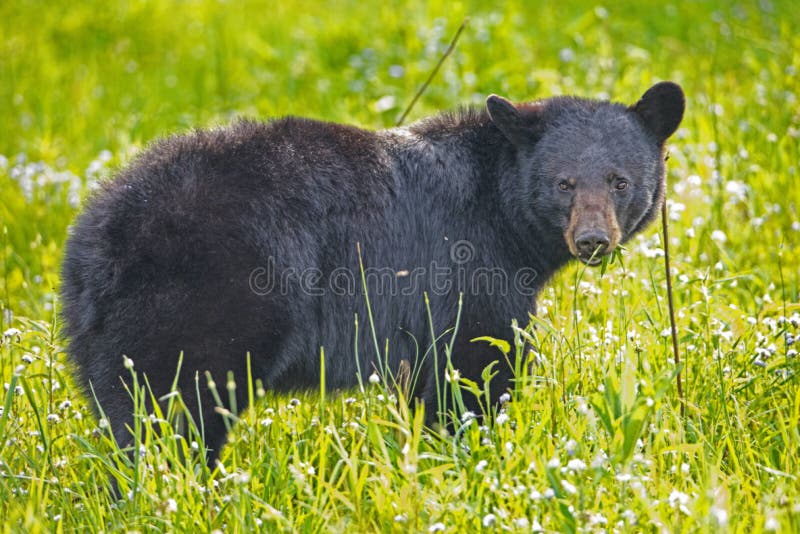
(593,260)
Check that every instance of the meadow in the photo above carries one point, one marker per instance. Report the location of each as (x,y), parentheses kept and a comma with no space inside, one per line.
(595,437)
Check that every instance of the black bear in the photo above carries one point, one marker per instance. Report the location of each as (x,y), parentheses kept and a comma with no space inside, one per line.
(259,239)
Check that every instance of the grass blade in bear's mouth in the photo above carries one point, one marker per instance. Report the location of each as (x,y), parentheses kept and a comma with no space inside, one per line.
(591,261)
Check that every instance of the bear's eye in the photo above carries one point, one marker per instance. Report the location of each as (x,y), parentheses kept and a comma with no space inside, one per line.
(621,184)
(564,185)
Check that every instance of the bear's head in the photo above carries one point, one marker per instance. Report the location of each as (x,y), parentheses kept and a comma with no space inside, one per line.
(589,171)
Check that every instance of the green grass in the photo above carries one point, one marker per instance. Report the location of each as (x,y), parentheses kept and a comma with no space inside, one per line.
(593,439)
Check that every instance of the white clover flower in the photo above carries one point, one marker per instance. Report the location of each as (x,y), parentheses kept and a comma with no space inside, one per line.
(566,55)
(571,447)
(576,465)
(12,332)
(522,523)
(719,236)
(737,190)
(172,506)
(374,378)
(720,514)
(569,488)
(489,520)
(678,498)
(597,519)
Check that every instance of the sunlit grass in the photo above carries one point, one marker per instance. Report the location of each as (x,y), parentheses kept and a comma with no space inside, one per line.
(592,438)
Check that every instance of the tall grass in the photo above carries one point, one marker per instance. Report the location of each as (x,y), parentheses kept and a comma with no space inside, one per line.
(592,438)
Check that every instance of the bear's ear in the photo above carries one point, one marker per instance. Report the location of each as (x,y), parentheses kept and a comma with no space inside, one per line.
(516,127)
(661,109)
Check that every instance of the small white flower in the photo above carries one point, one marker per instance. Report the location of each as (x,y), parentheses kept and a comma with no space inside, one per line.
(571,447)
(489,520)
(374,378)
(501,418)
(597,519)
(576,464)
(480,466)
(436,527)
(720,514)
(719,236)
(678,498)
(12,332)
(505,398)
(522,523)
(569,488)
(772,524)
(467,416)
(172,506)
(566,55)
(127,363)
(385,103)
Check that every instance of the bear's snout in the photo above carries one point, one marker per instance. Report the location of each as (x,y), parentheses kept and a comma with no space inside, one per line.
(593,229)
(591,245)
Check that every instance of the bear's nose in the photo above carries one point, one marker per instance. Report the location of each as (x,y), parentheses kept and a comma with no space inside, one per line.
(590,241)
